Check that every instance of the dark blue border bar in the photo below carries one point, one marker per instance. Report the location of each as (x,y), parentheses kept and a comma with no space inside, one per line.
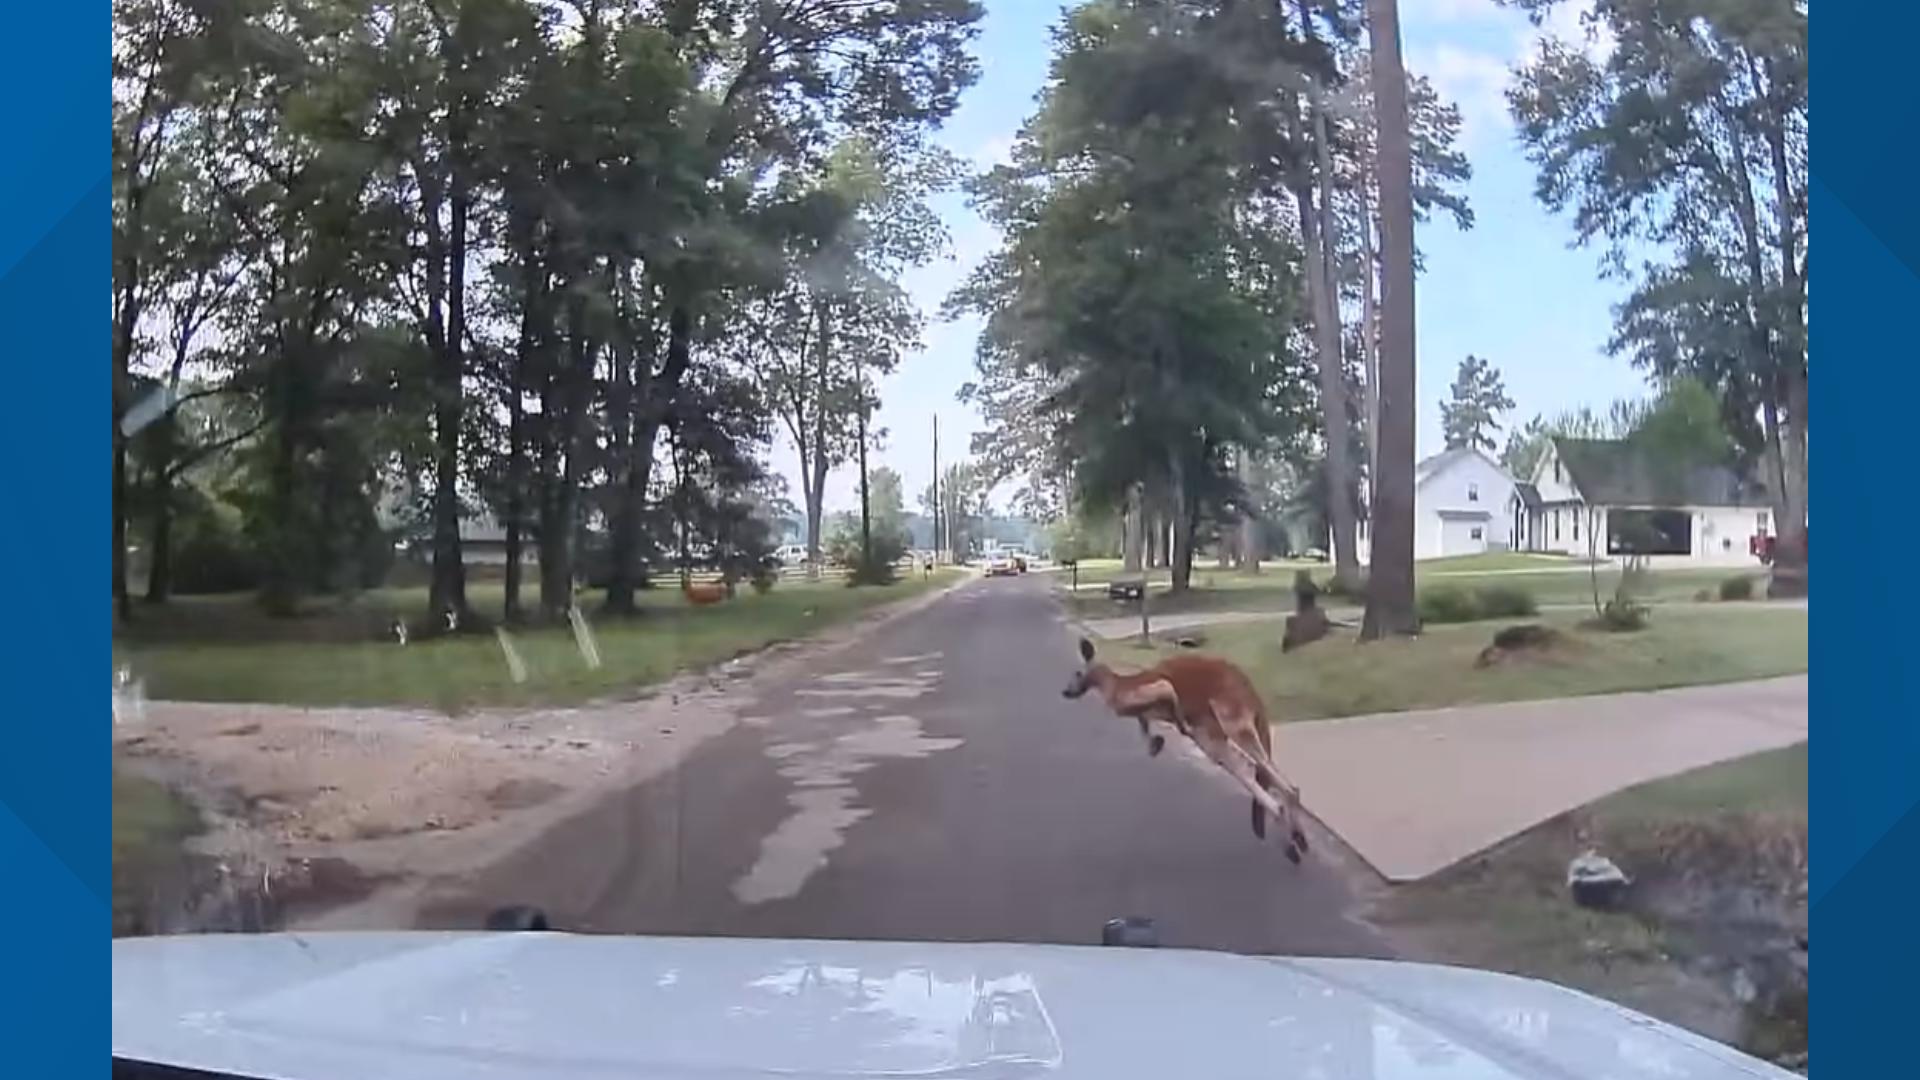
(54,802)
(1866,674)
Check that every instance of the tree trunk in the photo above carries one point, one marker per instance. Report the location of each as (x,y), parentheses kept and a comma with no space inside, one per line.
(122,603)
(1390,599)
(122,388)
(160,530)
(557,570)
(1333,392)
(1369,342)
(652,408)
(1179,527)
(1133,534)
(866,523)
(1250,553)
(1791,548)
(516,477)
(629,488)
(816,482)
(533,300)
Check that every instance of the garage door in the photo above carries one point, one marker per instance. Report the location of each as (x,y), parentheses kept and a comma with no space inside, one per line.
(1463,536)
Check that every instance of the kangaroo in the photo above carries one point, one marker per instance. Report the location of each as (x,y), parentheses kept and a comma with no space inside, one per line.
(1213,703)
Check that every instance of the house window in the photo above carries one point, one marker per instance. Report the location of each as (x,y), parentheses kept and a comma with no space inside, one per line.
(1576,527)
(1477,532)
(1558,476)
(1473,492)
(1556,525)
(1649,532)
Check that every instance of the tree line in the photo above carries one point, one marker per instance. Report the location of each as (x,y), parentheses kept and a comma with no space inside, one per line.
(564,263)
(1201,318)
(1206,282)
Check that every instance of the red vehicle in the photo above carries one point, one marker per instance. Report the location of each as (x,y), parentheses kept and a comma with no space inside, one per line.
(1762,545)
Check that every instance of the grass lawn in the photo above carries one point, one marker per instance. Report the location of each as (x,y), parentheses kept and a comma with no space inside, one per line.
(223,649)
(1718,856)
(1681,646)
(1550,579)
(149,824)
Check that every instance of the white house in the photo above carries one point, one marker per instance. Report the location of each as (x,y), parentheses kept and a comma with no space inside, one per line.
(1461,506)
(1605,497)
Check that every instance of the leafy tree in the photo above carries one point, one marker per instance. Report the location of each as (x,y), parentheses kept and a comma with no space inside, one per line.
(961,506)
(1141,280)
(1689,138)
(1478,396)
(888,509)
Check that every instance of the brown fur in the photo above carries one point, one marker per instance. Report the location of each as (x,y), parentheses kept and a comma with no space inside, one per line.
(700,595)
(1214,703)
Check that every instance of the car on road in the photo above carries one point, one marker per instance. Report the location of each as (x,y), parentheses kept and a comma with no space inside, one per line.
(1001,564)
(509,1005)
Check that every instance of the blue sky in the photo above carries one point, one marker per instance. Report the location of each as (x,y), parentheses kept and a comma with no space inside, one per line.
(1510,290)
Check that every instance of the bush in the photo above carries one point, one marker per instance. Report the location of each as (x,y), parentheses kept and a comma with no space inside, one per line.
(212,559)
(1738,587)
(1622,615)
(764,579)
(1505,601)
(1447,604)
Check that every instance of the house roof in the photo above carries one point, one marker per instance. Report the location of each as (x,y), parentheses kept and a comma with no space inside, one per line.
(1428,468)
(1615,472)
(1528,495)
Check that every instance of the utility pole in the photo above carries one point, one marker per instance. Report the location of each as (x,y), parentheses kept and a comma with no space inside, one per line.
(936,487)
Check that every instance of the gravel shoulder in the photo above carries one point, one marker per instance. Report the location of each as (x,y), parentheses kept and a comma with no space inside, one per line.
(348,814)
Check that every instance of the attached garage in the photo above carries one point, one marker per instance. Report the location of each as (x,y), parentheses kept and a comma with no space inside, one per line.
(1463,533)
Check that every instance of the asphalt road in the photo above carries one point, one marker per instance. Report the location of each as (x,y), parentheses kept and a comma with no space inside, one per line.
(929,782)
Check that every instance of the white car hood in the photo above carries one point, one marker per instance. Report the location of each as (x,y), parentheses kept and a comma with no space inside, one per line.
(480,1006)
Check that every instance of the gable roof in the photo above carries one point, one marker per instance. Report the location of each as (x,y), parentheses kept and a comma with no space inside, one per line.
(1617,473)
(1428,468)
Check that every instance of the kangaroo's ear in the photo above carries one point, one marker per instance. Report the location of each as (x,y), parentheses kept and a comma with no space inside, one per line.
(1086,650)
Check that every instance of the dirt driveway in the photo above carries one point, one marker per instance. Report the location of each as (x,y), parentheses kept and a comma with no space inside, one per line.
(390,800)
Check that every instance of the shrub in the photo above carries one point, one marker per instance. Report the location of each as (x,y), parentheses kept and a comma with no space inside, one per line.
(1622,615)
(1505,601)
(1738,587)
(1447,604)
(212,559)
(878,572)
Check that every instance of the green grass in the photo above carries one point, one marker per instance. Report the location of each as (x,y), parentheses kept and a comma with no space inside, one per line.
(1738,828)
(223,649)
(1272,589)
(1773,783)
(149,825)
(1682,646)
(1501,560)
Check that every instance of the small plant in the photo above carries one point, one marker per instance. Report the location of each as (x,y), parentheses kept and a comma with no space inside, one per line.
(1737,587)
(1505,602)
(763,581)
(1448,604)
(878,572)
(1622,615)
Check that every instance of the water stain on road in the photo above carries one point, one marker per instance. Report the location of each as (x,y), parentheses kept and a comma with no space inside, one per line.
(824,801)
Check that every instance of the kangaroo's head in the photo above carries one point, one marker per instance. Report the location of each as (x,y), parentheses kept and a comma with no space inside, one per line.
(1088,676)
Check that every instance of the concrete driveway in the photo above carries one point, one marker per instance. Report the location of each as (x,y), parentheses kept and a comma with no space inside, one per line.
(1415,792)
